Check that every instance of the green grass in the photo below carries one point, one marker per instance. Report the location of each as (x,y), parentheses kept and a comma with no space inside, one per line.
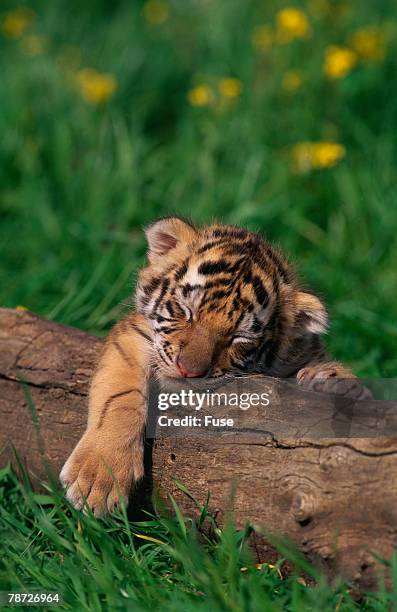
(78,181)
(164,563)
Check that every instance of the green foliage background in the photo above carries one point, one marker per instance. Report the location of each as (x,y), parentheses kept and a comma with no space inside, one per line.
(79,181)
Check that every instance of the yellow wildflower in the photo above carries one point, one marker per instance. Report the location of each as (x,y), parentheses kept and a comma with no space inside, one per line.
(292,80)
(96,88)
(269,566)
(201,95)
(327,154)
(291,23)
(33,44)
(230,88)
(308,156)
(21,308)
(368,43)
(16,22)
(339,61)
(156,12)
(262,37)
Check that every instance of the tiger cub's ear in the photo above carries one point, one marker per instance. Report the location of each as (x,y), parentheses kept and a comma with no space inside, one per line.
(311,313)
(166,234)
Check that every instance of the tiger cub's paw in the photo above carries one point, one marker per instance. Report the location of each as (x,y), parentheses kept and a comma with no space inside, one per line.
(334,379)
(100,476)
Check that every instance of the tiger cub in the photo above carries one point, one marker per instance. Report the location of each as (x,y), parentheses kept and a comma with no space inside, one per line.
(211,301)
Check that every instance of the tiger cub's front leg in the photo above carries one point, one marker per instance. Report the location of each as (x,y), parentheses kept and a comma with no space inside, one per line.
(334,378)
(109,456)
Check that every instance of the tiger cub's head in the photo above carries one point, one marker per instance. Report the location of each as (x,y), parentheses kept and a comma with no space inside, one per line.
(221,299)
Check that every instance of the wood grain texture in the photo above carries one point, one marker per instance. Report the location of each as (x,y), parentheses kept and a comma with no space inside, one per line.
(335,497)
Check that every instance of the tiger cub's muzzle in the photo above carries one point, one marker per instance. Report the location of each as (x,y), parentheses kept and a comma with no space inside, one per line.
(196,354)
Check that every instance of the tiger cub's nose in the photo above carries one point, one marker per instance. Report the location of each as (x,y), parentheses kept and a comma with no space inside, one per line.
(186,373)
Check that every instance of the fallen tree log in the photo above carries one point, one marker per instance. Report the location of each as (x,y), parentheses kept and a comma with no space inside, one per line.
(307,468)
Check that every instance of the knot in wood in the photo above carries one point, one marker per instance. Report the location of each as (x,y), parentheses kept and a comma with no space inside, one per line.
(326,552)
(303,506)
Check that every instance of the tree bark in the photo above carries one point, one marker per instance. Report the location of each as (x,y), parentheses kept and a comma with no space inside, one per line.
(306,468)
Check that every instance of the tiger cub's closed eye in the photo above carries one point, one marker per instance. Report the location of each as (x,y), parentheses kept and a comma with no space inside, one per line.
(188,313)
(245,339)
